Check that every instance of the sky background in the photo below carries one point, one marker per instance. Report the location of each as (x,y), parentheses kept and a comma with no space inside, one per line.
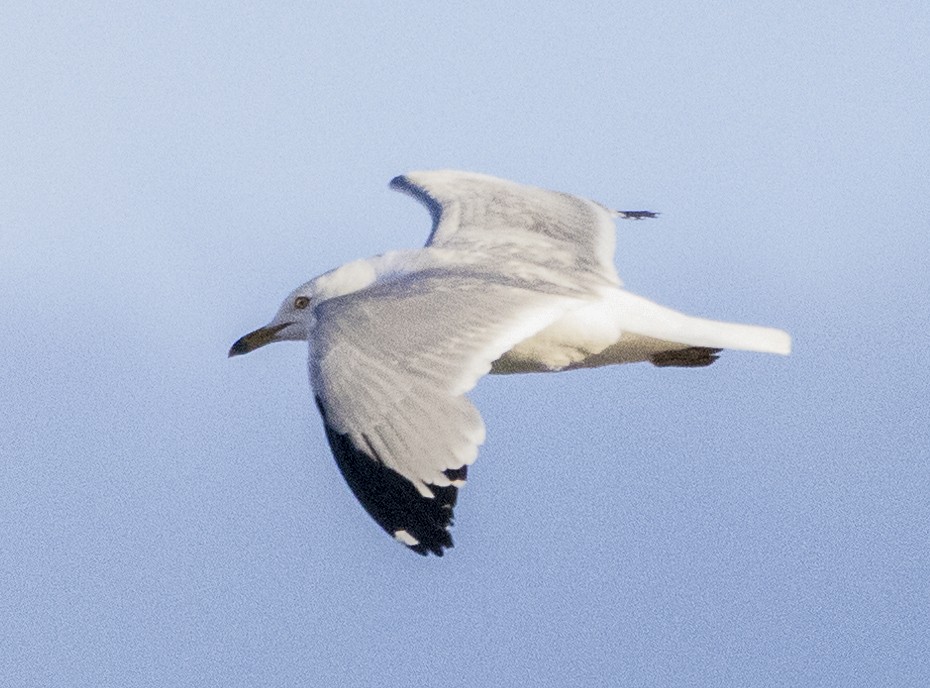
(168,517)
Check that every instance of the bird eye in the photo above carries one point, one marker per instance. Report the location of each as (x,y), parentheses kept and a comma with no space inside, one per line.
(301,302)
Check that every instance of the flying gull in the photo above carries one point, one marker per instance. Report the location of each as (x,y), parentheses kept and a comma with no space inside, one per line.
(513,279)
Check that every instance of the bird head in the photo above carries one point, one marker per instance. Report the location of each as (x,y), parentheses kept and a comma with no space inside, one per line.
(293,321)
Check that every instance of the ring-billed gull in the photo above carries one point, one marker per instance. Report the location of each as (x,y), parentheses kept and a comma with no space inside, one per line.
(512,279)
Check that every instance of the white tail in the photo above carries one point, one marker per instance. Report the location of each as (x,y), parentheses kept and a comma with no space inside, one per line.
(641,316)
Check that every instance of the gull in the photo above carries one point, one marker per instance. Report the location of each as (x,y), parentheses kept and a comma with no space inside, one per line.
(513,279)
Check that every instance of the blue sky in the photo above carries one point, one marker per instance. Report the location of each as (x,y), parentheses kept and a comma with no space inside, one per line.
(168,172)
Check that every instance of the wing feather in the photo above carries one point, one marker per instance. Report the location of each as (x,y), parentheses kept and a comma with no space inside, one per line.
(480,214)
(391,362)
(390,365)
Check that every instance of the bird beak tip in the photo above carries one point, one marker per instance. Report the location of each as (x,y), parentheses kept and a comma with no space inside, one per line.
(256,339)
(237,349)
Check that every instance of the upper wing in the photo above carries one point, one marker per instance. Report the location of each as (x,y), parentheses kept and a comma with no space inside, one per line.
(390,365)
(548,229)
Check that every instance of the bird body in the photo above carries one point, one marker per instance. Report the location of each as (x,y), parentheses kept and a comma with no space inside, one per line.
(513,279)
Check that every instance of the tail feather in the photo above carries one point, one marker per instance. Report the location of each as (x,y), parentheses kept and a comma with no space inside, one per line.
(641,316)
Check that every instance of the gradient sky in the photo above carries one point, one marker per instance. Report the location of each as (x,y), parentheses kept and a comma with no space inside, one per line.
(168,517)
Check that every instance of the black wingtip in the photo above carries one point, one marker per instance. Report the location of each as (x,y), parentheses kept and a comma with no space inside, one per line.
(425,550)
(637,214)
(393,501)
(403,184)
(400,182)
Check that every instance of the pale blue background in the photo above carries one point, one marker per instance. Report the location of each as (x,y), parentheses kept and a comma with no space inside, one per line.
(168,172)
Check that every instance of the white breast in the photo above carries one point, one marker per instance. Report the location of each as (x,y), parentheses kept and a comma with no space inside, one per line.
(577,335)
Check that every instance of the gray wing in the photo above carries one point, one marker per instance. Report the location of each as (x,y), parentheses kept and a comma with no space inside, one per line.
(553,231)
(390,366)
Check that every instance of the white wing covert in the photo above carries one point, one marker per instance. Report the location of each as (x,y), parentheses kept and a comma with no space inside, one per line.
(556,233)
(390,365)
